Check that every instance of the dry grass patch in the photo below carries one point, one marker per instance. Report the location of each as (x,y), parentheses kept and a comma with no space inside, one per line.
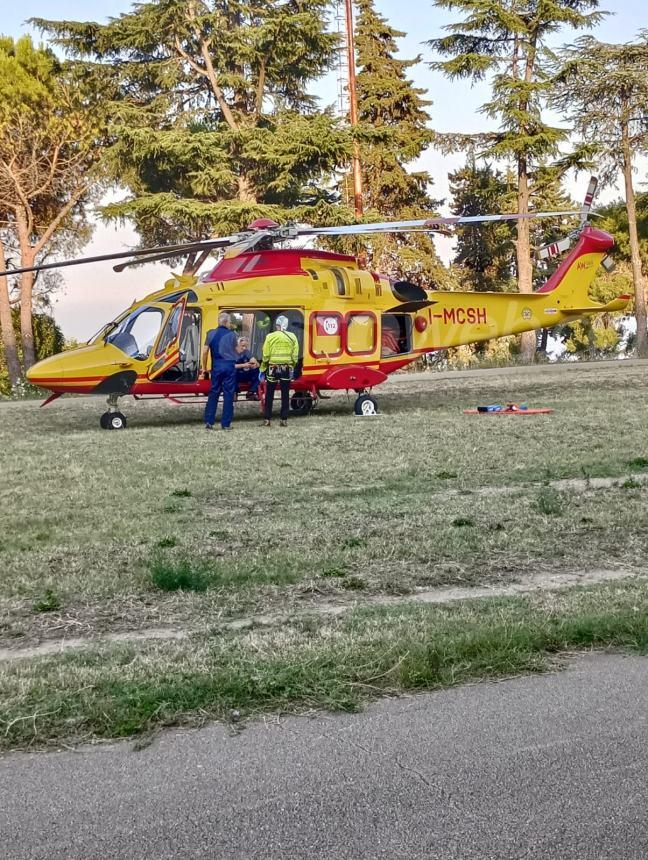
(315,662)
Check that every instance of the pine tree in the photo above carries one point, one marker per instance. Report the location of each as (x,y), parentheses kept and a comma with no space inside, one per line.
(394,131)
(603,90)
(508,38)
(214,124)
(484,257)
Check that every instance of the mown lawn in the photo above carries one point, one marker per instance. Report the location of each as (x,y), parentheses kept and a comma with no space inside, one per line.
(333,504)
(164,524)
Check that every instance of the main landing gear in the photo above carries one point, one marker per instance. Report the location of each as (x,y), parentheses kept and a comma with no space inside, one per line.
(302,403)
(112,419)
(365,405)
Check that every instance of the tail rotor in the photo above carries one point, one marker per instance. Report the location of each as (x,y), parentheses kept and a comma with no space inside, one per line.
(555,249)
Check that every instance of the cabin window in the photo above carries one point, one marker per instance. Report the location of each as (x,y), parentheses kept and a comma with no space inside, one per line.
(256,326)
(395,335)
(326,333)
(136,334)
(361,333)
(173,297)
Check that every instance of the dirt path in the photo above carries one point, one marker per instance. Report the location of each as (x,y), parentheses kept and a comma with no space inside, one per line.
(527,585)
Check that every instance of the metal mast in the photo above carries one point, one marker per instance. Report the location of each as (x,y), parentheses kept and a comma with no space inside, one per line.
(353,109)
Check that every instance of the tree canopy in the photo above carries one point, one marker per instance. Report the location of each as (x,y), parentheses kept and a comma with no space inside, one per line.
(214,122)
(50,130)
(508,41)
(603,91)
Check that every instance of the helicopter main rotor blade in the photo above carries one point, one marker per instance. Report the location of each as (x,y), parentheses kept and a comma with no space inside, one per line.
(169,251)
(427,225)
(167,255)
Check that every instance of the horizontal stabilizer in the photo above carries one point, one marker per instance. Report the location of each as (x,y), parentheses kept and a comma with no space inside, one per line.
(615,305)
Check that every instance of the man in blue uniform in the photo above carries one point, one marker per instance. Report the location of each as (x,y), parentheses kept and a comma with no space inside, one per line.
(247,369)
(221,342)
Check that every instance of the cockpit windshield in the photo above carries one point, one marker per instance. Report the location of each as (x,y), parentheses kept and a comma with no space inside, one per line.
(136,333)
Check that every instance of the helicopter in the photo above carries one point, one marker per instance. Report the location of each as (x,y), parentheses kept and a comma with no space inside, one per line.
(354,327)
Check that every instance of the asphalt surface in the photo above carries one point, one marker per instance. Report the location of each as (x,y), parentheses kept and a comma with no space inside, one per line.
(550,766)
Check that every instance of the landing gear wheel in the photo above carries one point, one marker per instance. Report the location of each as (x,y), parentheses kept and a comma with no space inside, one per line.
(301,403)
(366,405)
(112,421)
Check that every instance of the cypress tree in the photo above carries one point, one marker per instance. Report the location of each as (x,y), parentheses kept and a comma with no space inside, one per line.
(484,257)
(394,131)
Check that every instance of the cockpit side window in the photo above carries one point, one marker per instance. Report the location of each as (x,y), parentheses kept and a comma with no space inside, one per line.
(136,334)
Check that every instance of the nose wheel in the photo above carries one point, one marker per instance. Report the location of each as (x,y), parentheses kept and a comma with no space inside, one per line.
(113,419)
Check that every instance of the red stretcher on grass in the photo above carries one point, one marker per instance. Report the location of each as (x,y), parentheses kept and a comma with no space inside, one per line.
(508,409)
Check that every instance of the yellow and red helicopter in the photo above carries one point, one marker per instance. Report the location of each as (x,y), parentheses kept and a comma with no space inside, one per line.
(354,327)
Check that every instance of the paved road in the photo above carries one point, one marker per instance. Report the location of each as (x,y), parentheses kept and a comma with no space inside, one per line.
(541,767)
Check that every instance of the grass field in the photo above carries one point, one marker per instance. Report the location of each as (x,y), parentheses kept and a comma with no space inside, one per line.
(165,526)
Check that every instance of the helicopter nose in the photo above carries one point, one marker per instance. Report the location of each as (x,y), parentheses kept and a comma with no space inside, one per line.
(48,372)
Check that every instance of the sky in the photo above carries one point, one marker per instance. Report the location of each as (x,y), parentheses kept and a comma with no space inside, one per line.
(94,294)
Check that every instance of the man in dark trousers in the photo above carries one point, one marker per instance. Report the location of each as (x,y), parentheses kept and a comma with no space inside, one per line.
(221,342)
(280,355)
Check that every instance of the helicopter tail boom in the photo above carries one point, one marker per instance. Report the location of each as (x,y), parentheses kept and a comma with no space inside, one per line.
(456,318)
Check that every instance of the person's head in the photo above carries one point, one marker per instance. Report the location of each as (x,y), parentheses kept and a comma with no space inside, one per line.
(242,344)
(281,323)
(225,319)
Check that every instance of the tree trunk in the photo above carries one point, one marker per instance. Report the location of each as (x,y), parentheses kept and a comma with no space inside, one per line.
(26,320)
(27,255)
(6,328)
(246,190)
(543,342)
(637,275)
(523,251)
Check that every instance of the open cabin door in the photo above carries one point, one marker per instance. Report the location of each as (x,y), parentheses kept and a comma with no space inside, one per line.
(167,348)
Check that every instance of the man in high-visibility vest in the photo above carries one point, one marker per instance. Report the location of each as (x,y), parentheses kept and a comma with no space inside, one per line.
(280,355)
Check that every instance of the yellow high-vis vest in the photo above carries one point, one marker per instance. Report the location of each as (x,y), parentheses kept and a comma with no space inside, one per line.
(280,347)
